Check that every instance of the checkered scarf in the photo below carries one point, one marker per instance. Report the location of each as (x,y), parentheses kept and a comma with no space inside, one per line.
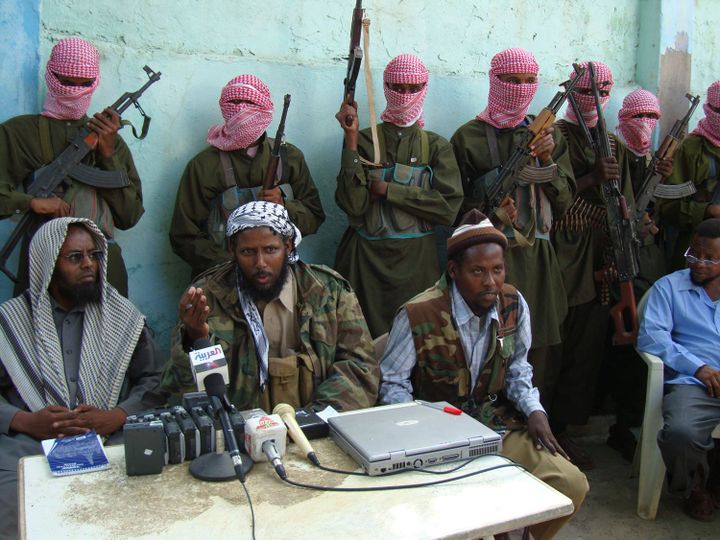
(29,342)
(709,127)
(244,122)
(70,57)
(604,79)
(508,103)
(265,214)
(250,216)
(404,109)
(636,133)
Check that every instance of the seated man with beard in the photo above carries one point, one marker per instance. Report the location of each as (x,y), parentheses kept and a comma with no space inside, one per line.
(292,332)
(681,325)
(75,355)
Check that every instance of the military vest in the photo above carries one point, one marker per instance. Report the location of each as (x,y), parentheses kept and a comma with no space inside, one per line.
(441,372)
(234,196)
(383,220)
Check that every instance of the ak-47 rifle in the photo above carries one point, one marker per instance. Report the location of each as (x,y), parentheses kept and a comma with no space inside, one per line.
(652,185)
(43,182)
(506,180)
(622,234)
(354,57)
(270,179)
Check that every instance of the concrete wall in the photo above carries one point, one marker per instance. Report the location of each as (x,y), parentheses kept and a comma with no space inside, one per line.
(297,48)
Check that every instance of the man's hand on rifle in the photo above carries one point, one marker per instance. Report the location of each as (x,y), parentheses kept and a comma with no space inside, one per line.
(545,145)
(273,195)
(647,227)
(351,131)
(664,167)
(105,124)
(51,206)
(606,169)
(508,207)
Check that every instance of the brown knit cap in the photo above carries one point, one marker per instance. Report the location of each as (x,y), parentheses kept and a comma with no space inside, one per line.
(475,228)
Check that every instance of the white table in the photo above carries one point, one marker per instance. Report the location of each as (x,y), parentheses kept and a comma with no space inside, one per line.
(109,504)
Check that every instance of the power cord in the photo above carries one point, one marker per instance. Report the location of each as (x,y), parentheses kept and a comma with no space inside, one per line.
(252,511)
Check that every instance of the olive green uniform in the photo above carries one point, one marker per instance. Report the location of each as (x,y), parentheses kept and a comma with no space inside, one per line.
(582,246)
(201,191)
(386,271)
(695,160)
(22,152)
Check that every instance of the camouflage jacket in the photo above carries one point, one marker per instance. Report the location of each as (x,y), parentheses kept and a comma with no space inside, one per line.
(333,335)
(441,372)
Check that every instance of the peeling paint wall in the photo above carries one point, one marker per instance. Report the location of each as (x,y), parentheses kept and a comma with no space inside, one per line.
(705,60)
(297,47)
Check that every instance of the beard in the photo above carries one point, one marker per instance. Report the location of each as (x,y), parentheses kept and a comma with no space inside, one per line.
(80,294)
(701,282)
(268,292)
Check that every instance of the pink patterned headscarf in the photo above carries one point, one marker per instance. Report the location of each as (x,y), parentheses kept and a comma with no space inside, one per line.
(404,109)
(709,127)
(244,122)
(637,132)
(508,103)
(70,57)
(604,79)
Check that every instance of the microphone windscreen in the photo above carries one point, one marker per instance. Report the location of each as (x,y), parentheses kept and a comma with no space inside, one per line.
(214,385)
(201,343)
(284,408)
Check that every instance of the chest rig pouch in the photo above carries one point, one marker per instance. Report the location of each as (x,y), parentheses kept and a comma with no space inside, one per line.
(383,220)
(234,196)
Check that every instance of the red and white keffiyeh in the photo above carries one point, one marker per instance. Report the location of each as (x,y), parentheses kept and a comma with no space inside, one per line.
(586,103)
(244,122)
(508,103)
(70,57)
(709,127)
(636,133)
(404,109)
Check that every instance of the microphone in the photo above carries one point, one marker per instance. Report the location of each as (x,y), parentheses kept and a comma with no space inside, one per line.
(287,413)
(206,358)
(215,389)
(265,439)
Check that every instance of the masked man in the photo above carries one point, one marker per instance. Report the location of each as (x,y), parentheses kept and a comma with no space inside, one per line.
(626,374)
(388,253)
(697,159)
(292,332)
(545,190)
(29,142)
(75,355)
(465,341)
(230,173)
(583,246)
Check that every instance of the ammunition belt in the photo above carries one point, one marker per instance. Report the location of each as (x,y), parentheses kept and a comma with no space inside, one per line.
(582,216)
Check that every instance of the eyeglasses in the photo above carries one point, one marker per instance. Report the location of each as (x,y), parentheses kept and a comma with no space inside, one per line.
(692,259)
(77,257)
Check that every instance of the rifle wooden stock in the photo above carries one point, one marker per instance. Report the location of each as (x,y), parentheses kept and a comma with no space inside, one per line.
(270,179)
(624,316)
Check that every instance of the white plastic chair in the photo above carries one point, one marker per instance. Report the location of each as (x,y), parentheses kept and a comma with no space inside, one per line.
(652,467)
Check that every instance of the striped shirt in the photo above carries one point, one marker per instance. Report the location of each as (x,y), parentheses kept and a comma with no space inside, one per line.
(399,358)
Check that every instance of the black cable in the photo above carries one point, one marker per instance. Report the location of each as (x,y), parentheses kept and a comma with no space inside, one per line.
(340,471)
(404,486)
(252,511)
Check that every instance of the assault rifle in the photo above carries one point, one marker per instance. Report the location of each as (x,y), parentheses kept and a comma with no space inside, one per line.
(506,180)
(354,57)
(622,234)
(269,181)
(43,182)
(652,185)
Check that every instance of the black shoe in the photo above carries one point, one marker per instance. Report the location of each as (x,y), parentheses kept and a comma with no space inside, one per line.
(622,439)
(578,455)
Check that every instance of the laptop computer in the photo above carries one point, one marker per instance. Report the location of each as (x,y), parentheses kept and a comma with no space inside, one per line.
(410,435)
